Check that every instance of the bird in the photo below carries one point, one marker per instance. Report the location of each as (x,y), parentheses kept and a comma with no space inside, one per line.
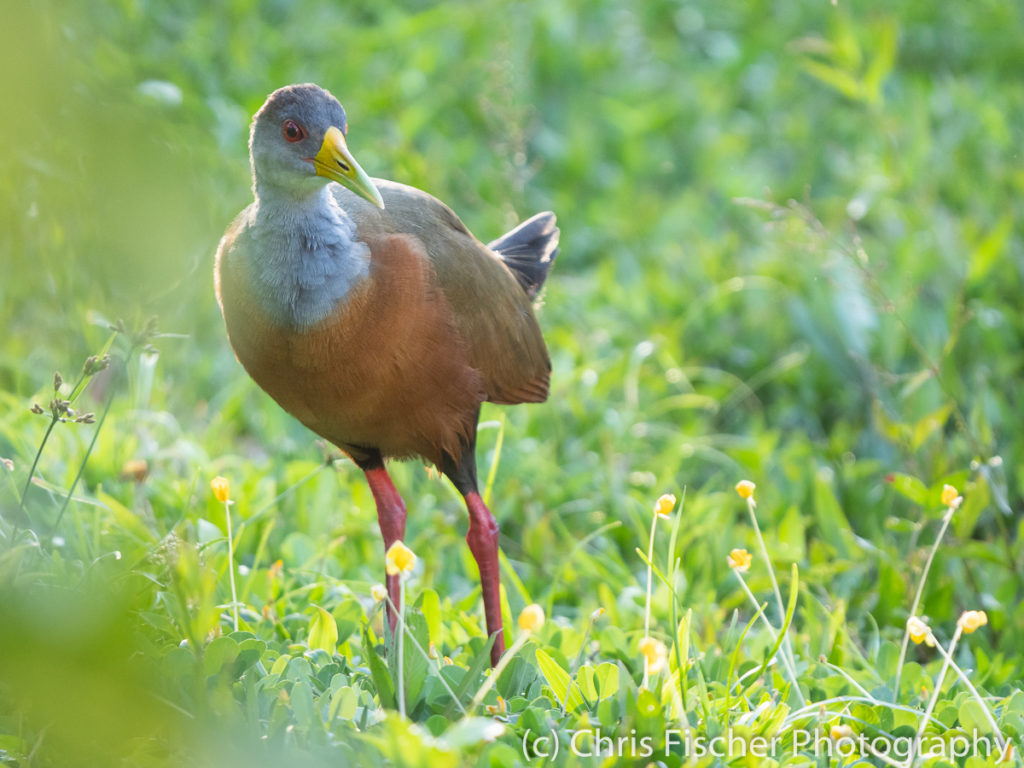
(369,312)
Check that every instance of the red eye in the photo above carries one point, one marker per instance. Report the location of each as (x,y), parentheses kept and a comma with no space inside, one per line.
(292,131)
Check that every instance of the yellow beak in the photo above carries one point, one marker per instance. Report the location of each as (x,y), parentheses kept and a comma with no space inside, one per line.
(335,162)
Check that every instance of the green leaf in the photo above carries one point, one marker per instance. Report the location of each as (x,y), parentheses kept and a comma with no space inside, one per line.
(910,487)
(517,677)
(430,604)
(884,39)
(832,523)
(343,703)
(794,592)
(414,664)
(606,679)
(973,719)
(348,615)
(470,731)
(250,651)
(585,680)
(929,425)
(280,664)
(970,510)
(559,681)
(476,668)
(220,651)
(987,251)
(655,570)
(379,672)
(734,657)
(12,746)
(848,85)
(323,631)
(301,697)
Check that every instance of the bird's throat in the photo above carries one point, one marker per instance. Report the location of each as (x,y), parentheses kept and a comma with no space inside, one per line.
(305,256)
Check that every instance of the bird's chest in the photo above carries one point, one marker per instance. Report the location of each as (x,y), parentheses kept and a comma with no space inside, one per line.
(301,277)
(386,368)
(309,367)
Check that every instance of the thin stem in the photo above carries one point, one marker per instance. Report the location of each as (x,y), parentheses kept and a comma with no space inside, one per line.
(647,607)
(88,452)
(586,634)
(860,688)
(775,636)
(503,662)
(35,462)
(681,664)
(430,661)
(947,658)
(917,598)
(28,481)
(231,562)
(814,709)
(401,647)
(880,756)
(787,648)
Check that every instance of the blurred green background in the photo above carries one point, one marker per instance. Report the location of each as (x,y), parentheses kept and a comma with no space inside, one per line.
(791,251)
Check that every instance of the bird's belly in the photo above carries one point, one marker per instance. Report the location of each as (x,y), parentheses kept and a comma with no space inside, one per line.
(333,393)
(386,371)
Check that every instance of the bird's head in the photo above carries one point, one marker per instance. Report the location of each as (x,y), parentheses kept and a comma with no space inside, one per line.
(297,144)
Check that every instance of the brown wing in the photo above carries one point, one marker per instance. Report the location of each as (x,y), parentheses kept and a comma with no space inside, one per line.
(491,311)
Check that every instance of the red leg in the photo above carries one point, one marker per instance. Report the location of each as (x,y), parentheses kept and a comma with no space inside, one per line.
(483,543)
(391,518)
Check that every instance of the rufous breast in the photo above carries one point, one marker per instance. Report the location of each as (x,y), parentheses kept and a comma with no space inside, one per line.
(386,370)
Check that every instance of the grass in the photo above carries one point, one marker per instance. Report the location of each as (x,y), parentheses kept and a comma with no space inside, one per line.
(791,255)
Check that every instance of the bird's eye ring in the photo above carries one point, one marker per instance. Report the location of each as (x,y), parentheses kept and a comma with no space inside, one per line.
(292,131)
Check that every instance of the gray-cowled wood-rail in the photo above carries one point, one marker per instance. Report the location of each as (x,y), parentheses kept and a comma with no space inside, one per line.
(370,313)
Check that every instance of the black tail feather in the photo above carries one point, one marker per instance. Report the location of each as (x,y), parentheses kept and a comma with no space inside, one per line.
(529,250)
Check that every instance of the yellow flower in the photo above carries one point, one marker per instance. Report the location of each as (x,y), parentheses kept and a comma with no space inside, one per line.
(532,618)
(137,470)
(1007,754)
(950,496)
(447,661)
(839,732)
(497,709)
(971,620)
(664,505)
(739,560)
(919,632)
(655,653)
(221,489)
(745,489)
(399,559)
(597,614)
(379,592)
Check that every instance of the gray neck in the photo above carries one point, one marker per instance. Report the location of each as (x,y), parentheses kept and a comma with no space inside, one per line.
(305,255)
